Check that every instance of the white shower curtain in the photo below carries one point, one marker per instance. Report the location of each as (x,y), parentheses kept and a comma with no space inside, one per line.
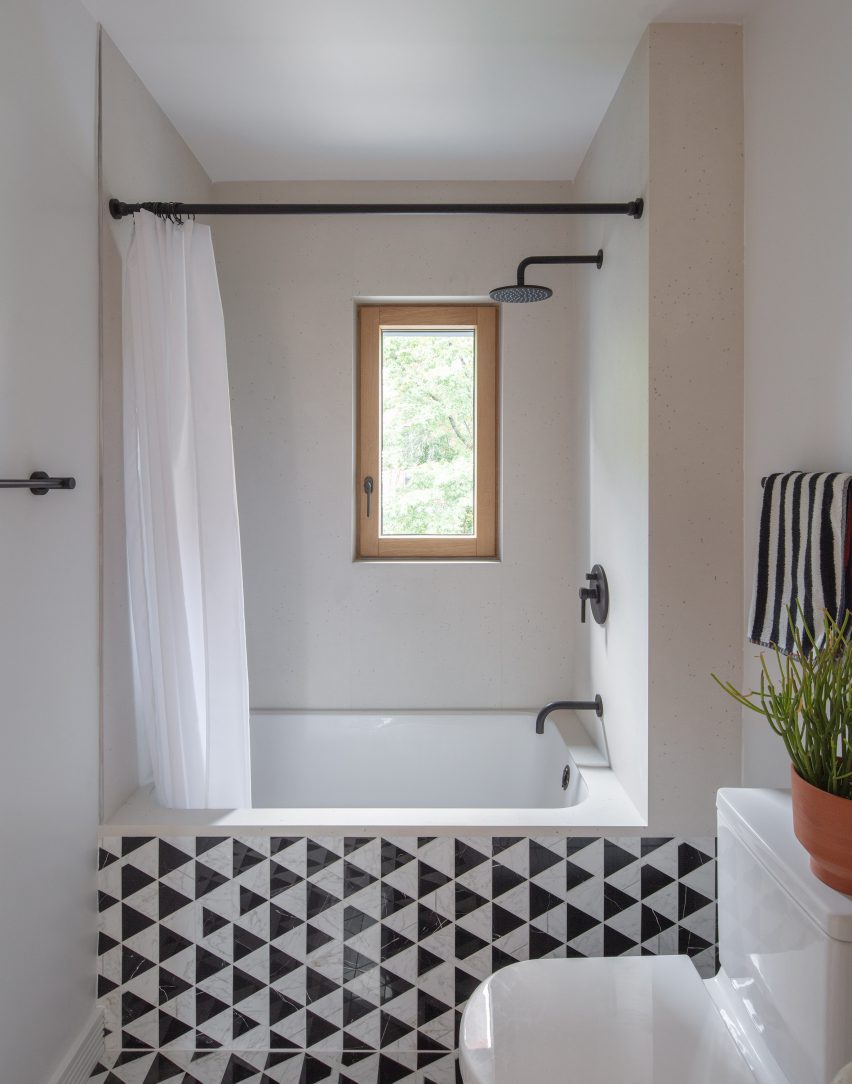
(183,536)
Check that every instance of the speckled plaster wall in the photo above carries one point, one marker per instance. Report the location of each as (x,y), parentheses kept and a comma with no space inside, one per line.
(611,329)
(654,360)
(695,223)
(798,338)
(324,631)
(663,318)
(49,544)
(661,333)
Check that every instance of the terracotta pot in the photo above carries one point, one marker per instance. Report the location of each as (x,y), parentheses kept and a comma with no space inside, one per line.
(823,825)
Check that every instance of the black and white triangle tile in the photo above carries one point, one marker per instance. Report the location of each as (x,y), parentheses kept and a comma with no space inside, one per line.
(288,948)
(276,1067)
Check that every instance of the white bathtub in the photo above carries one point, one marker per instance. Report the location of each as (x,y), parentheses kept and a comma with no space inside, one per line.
(437,760)
(419,772)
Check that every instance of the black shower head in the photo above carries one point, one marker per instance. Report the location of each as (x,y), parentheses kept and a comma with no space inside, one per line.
(521,293)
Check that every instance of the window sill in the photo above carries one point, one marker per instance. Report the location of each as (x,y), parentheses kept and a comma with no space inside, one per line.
(427,561)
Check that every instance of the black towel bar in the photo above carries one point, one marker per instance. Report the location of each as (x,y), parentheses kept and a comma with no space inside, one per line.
(43,483)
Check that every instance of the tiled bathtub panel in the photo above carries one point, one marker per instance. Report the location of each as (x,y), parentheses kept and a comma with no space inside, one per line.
(358,944)
(278,1067)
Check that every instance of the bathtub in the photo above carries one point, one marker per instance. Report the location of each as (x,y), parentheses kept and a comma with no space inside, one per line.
(435,844)
(440,772)
(414,759)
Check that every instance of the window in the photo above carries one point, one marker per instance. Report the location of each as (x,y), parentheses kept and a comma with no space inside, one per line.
(427,431)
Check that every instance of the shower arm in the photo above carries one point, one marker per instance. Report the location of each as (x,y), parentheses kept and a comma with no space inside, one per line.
(597,260)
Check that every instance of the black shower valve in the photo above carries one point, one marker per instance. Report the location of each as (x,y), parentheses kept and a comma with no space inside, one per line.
(585,594)
(596,594)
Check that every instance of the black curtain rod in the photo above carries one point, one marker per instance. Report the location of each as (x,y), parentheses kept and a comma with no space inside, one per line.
(39,482)
(634,208)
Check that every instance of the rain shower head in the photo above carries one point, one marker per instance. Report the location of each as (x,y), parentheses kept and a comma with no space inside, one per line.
(520,292)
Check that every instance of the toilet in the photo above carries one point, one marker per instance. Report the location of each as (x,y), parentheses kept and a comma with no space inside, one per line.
(778,1012)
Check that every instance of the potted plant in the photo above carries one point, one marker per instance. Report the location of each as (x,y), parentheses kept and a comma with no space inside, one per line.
(808,703)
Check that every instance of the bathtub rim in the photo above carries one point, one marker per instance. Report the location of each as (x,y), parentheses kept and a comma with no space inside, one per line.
(607,805)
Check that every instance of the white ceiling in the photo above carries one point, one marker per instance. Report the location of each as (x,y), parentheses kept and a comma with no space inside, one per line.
(387,89)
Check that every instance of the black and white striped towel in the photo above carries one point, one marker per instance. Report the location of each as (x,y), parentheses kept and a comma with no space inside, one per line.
(803,557)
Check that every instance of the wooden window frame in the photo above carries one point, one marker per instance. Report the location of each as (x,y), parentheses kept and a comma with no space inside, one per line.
(372,320)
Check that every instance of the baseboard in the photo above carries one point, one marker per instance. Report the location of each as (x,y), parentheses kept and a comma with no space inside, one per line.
(77,1066)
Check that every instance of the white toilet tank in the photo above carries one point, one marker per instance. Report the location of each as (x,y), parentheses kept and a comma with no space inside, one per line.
(785,942)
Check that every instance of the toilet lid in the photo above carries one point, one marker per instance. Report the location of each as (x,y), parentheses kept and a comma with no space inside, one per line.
(637,1020)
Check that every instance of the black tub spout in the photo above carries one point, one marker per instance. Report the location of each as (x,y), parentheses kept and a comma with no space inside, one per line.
(595,705)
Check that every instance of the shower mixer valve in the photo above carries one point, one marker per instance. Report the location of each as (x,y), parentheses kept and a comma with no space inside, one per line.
(596,594)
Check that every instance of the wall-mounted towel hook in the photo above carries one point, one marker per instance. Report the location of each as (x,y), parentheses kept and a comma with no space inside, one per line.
(43,483)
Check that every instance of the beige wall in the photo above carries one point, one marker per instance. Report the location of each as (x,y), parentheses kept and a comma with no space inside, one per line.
(661,332)
(695,418)
(324,631)
(611,341)
(655,471)
(143,158)
(798,274)
(48,545)
(625,386)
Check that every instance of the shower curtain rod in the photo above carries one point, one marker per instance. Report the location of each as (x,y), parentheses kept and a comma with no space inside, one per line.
(119,209)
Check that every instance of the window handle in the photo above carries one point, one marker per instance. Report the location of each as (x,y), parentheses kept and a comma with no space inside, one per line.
(368,489)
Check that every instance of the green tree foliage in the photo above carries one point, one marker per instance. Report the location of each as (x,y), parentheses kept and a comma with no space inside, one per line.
(427,433)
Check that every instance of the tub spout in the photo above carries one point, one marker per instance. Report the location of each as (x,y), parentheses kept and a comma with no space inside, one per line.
(595,705)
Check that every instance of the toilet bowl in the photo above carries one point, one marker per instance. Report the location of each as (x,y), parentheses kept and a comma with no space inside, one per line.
(778,1012)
